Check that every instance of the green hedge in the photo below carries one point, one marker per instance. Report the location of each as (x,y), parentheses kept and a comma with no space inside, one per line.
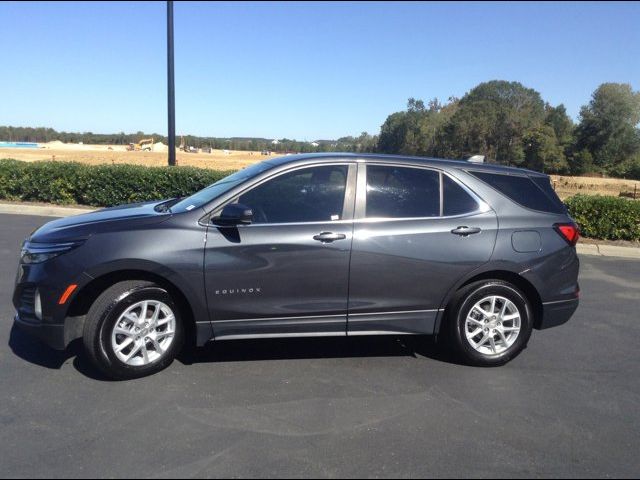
(607,218)
(98,185)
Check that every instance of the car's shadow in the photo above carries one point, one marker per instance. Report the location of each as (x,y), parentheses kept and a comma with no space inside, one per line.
(31,350)
(310,348)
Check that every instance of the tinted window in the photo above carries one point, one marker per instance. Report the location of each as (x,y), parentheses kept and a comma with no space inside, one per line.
(544,183)
(214,190)
(399,192)
(456,200)
(308,195)
(521,190)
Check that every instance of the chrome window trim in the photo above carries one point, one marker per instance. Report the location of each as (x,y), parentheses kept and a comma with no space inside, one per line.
(361,220)
(328,222)
(358,213)
(415,219)
(236,193)
(483,207)
(441,179)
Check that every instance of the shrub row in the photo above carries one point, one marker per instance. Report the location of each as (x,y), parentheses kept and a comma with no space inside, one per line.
(607,218)
(98,185)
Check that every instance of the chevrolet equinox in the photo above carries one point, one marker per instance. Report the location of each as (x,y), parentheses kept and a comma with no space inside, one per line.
(308,246)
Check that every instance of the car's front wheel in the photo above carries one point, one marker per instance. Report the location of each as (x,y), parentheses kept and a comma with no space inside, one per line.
(133,329)
(491,323)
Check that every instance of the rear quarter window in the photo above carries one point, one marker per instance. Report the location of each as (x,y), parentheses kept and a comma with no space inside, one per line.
(455,200)
(535,193)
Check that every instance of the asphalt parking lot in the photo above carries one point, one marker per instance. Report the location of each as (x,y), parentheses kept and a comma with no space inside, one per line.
(364,407)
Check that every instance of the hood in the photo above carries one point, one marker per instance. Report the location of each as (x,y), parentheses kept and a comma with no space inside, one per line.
(81,227)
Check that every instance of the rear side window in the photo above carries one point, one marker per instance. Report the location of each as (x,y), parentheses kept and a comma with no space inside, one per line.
(523,190)
(456,200)
(402,192)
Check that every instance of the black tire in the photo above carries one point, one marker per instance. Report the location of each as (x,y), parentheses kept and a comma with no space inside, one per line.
(102,317)
(464,302)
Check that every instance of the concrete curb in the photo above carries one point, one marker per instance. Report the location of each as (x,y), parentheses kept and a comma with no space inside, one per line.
(42,210)
(600,250)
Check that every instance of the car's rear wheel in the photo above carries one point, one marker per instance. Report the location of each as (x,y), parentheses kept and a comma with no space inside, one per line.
(491,323)
(133,329)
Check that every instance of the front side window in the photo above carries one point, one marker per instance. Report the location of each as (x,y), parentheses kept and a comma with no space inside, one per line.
(314,194)
(402,192)
(206,195)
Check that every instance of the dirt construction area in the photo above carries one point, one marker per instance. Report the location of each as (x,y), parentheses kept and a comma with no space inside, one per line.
(117,154)
(565,186)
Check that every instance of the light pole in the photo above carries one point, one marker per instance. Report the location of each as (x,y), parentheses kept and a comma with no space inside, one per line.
(171,94)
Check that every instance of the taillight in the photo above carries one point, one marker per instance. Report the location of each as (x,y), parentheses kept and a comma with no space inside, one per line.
(569,231)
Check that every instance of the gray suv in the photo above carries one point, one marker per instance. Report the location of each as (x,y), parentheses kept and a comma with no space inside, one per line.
(309,245)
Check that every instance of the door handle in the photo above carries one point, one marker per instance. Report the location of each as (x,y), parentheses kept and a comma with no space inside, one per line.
(465,231)
(328,237)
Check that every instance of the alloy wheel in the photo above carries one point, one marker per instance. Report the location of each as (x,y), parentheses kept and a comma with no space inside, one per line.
(143,333)
(493,325)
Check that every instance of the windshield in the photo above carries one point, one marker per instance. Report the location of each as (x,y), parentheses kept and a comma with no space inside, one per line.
(204,196)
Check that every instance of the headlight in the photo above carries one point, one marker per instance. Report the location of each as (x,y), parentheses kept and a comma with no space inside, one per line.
(41,252)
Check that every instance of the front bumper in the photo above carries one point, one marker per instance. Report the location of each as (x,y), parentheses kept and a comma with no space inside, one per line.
(54,326)
(51,335)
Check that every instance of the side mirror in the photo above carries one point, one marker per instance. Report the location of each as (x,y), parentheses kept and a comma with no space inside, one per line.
(234,214)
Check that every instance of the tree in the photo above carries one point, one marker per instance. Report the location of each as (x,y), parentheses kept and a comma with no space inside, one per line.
(392,133)
(491,119)
(580,162)
(415,106)
(608,127)
(416,131)
(542,150)
(557,118)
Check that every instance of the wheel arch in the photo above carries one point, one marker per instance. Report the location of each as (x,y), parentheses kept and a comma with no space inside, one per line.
(515,279)
(87,295)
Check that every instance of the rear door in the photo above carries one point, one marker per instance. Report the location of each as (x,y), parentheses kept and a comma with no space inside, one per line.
(417,231)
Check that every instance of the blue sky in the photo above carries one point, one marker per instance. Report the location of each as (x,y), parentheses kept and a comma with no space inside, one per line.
(296,70)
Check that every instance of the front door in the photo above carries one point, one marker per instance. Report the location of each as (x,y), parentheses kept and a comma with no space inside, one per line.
(287,273)
(408,250)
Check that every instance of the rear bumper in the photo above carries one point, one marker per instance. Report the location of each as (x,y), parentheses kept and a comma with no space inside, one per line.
(51,335)
(557,313)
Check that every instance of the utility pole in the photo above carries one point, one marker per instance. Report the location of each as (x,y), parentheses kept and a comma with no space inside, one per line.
(171,94)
